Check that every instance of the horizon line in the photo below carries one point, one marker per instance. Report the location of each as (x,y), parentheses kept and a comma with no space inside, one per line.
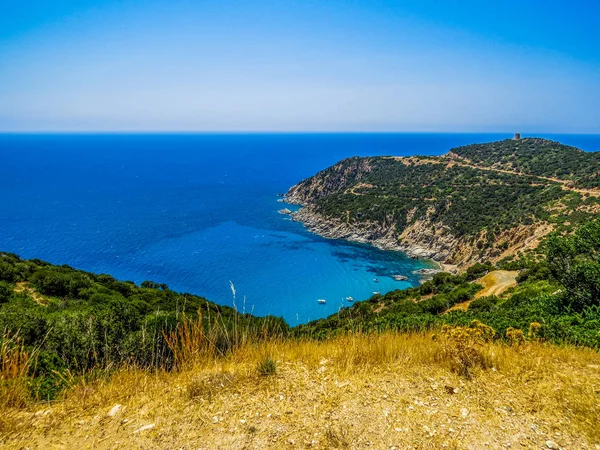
(288,132)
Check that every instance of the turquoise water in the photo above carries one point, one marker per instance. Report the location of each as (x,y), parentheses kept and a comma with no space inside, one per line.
(196,211)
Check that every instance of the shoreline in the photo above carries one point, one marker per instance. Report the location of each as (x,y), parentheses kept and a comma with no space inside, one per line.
(375,237)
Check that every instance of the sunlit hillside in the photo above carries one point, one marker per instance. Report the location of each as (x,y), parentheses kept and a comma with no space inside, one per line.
(357,391)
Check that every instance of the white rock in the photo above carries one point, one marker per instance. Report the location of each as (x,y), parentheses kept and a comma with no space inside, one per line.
(464,412)
(145,427)
(552,445)
(114,410)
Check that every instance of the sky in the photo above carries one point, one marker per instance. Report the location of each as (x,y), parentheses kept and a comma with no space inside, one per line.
(306,65)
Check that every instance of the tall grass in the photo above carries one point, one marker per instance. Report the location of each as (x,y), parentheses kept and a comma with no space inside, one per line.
(544,380)
(205,337)
(15,368)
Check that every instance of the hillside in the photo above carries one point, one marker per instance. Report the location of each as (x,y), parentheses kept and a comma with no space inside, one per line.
(539,157)
(384,392)
(88,361)
(475,204)
(74,321)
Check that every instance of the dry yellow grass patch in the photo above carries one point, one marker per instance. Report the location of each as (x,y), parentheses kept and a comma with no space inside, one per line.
(25,287)
(357,391)
(494,283)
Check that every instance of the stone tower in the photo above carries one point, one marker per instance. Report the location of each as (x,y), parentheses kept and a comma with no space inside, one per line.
(517,136)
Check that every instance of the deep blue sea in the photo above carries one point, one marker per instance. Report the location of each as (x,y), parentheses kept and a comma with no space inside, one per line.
(195,211)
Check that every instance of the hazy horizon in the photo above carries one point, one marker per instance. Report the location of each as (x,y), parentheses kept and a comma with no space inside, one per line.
(268,67)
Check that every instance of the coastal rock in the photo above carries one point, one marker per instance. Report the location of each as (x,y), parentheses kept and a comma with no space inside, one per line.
(284,211)
(372,233)
(426,271)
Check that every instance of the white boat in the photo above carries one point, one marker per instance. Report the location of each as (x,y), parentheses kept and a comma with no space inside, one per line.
(321,301)
(350,299)
(376,280)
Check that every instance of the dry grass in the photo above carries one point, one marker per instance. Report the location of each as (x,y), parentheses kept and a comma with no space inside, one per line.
(355,391)
(15,363)
(25,287)
(495,282)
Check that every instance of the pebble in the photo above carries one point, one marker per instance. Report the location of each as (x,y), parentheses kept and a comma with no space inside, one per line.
(451,389)
(145,427)
(114,410)
(552,445)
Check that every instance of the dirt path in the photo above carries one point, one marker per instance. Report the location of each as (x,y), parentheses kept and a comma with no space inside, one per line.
(464,162)
(23,286)
(494,283)
(452,159)
(352,190)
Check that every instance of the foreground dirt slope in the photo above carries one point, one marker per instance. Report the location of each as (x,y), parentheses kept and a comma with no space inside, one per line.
(381,392)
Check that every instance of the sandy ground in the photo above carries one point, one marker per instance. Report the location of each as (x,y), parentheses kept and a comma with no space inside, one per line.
(494,283)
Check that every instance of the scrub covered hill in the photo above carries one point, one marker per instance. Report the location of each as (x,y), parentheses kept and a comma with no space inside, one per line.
(448,208)
(534,156)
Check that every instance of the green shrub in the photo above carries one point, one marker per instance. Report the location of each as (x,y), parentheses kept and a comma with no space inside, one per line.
(266,366)
(483,304)
(5,291)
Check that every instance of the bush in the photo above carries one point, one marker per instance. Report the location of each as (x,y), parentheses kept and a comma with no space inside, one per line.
(51,282)
(575,262)
(478,270)
(515,336)
(5,291)
(266,366)
(484,303)
(462,347)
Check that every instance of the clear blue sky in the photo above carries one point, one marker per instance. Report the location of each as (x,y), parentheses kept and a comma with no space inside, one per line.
(302,65)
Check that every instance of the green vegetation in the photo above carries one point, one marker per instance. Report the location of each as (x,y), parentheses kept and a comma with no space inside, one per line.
(59,325)
(80,323)
(266,366)
(575,262)
(464,199)
(539,157)
(560,290)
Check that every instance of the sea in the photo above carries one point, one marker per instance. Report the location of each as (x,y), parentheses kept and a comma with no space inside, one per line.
(199,212)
